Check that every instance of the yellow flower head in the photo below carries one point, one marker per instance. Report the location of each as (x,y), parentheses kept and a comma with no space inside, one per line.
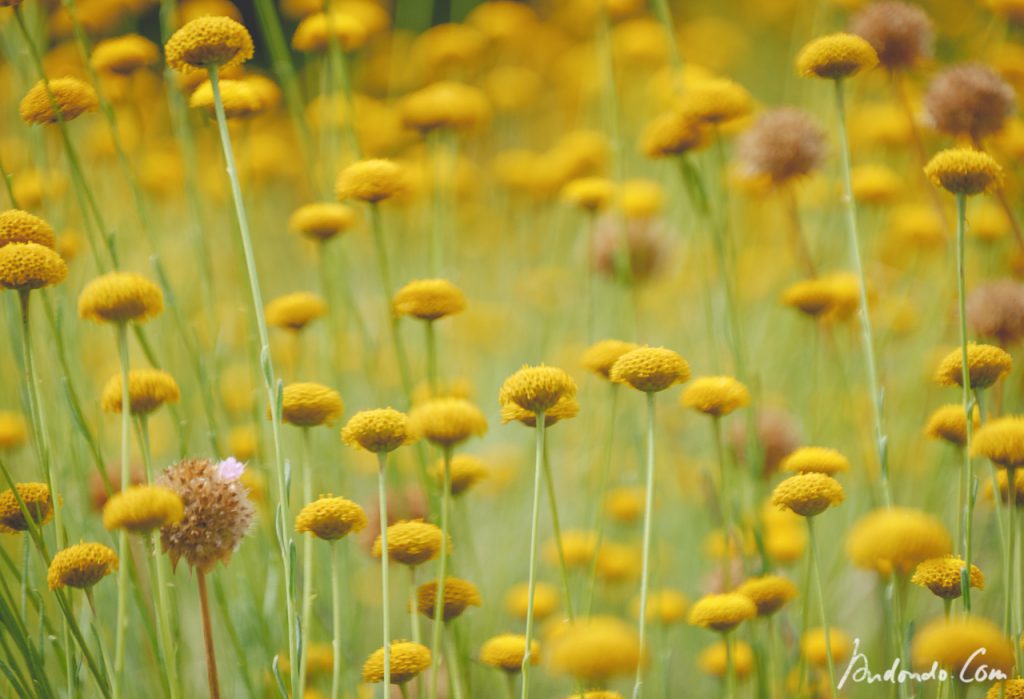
(950,424)
(506,652)
(815,460)
(545,600)
(322,221)
(808,494)
(446,104)
(208,41)
(564,409)
(81,566)
(953,643)
(896,539)
(671,134)
(148,389)
(37,500)
(380,430)
(27,266)
(625,504)
(458,595)
(316,32)
(13,429)
(537,388)
(330,518)
(715,101)
(769,593)
(142,508)
(650,369)
(120,297)
(466,471)
(295,311)
(72,96)
(942,576)
(428,299)
(665,606)
(722,612)
(17,226)
(371,181)
(835,56)
(310,405)
(123,55)
(1007,689)
(714,661)
(876,184)
(964,171)
(812,297)
(1001,441)
(408,659)
(595,649)
(715,395)
(447,422)
(813,647)
(411,542)
(986,364)
(240,99)
(602,355)
(589,193)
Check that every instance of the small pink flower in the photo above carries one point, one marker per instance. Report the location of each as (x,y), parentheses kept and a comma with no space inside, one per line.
(230,469)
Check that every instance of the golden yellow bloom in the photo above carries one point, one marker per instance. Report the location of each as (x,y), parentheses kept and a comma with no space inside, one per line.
(812,645)
(950,423)
(545,600)
(641,198)
(1001,441)
(713,661)
(81,566)
(715,395)
(142,508)
(295,311)
(565,408)
(330,518)
(875,184)
(602,355)
(715,101)
(458,595)
(665,606)
(238,97)
(380,430)
(72,96)
(310,404)
(322,221)
(986,364)
(595,649)
(835,56)
(13,429)
(506,652)
(671,134)
(445,105)
(408,659)
(815,460)
(466,471)
(120,297)
(618,562)
(808,494)
(954,643)
(723,612)
(371,181)
(812,297)
(942,576)
(428,299)
(589,193)
(447,422)
(27,266)
(411,542)
(650,369)
(769,593)
(537,388)
(964,171)
(785,535)
(148,389)
(1008,689)
(578,548)
(208,41)
(123,55)
(17,226)
(896,539)
(316,31)
(625,504)
(37,500)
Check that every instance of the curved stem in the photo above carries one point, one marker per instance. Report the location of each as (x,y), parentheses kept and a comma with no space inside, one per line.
(537,467)
(648,518)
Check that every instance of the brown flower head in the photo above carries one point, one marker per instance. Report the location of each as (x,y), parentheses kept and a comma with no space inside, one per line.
(782,145)
(969,100)
(900,33)
(996,310)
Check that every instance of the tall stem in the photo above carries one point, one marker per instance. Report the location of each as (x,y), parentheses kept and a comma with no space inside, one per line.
(556,528)
(725,503)
(307,562)
(382,496)
(123,552)
(431,339)
(730,666)
(820,591)
(442,572)
(968,404)
(648,518)
(537,467)
(211,657)
(1008,556)
(336,621)
(596,517)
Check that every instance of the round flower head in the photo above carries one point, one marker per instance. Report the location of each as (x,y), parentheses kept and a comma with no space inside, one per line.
(17,226)
(715,101)
(381,430)
(208,41)
(816,460)
(896,539)
(148,389)
(715,395)
(72,96)
(813,648)
(408,659)
(808,494)
(506,652)
(322,221)
(13,429)
(812,297)
(411,543)
(594,650)
(769,593)
(142,508)
(81,566)
(969,100)
(458,595)
(1007,689)
(240,99)
(625,504)
(995,309)
(316,32)
(370,181)
(443,105)
(835,56)
(27,266)
(950,424)
(330,518)
(671,134)
(120,297)
(986,364)
(537,388)
(428,299)
(665,606)
(783,145)
(953,643)
(564,409)
(37,500)
(964,171)
(447,422)
(545,600)
(466,471)
(295,311)
(722,612)
(942,576)
(1001,441)
(589,193)
(650,369)
(900,33)
(218,513)
(123,55)
(713,660)
(310,405)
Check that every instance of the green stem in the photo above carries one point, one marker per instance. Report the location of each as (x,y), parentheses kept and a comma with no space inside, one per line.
(442,572)
(725,503)
(455,679)
(648,518)
(820,591)
(307,562)
(336,621)
(384,265)
(557,531)
(730,666)
(211,655)
(414,616)
(123,552)
(967,402)
(535,518)
(432,373)
(382,496)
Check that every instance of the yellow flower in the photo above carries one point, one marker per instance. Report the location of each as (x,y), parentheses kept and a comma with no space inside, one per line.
(142,508)
(715,395)
(875,184)
(314,34)
(27,266)
(602,355)
(445,105)
(712,660)
(13,429)
(625,504)
(458,595)
(769,593)
(411,543)
(506,652)
(942,576)
(650,369)
(665,606)
(1001,441)
(239,98)
(641,198)
(17,226)
(812,645)
(815,460)
(1008,689)
(595,649)
(120,297)
(447,422)
(295,311)
(310,404)
(208,41)
(896,539)
(589,193)
(322,221)
(545,600)
(466,471)
(537,388)
(715,101)
(954,643)
(964,171)
(371,181)
(123,55)
(408,659)
(835,56)
(380,430)
(428,299)
(811,296)
(618,562)
(564,409)
(81,566)
(722,612)
(670,134)
(950,423)
(37,500)
(808,494)
(578,548)
(148,389)
(72,96)
(986,364)
(330,518)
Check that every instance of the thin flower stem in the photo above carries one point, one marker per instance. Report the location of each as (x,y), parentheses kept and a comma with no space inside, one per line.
(730,666)
(307,556)
(336,620)
(123,551)
(556,530)
(1008,553)
(597,519)
(820,591)
(211,657)
(382,495)
(442,572)
(725,503)
(646,566)
(414,616)
(510,685)
(966,397)
(431,340)
(535,518)
(455,679)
